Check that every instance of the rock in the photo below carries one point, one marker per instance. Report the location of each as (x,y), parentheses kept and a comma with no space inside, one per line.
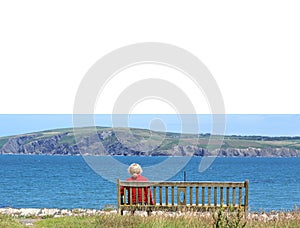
(65,144)
(159,213)
(141,213)
(49,212)
(66,212)
(264,217)
(274,217)
(27,212)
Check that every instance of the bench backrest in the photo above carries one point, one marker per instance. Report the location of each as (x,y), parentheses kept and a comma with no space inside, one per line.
(199,194)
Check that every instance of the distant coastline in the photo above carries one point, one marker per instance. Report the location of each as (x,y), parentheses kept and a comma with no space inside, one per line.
(62,142)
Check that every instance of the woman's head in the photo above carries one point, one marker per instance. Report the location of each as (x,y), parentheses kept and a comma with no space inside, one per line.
(134,170)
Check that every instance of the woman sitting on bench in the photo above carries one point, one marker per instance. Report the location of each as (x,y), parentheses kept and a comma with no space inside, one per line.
(135,171)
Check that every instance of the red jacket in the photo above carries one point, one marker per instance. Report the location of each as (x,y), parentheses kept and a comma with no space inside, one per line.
(139,178)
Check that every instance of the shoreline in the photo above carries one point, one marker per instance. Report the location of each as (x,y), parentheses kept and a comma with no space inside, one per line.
(42,213)
(85,155)
(53,212)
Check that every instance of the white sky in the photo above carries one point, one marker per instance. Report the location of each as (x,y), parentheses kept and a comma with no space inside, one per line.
(251,48)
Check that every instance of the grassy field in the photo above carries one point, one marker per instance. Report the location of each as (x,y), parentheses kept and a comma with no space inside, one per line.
(219,219)
(3,140)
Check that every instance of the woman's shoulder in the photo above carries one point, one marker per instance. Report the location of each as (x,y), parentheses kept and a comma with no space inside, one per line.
(139,178)
(142,178)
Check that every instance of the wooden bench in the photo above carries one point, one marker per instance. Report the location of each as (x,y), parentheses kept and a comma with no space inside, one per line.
(183,196)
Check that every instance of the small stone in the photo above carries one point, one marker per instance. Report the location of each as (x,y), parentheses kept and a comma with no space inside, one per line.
(160,213)
(26,212)
(264,217)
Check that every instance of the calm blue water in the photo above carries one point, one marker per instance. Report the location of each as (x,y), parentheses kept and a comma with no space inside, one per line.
(68,182)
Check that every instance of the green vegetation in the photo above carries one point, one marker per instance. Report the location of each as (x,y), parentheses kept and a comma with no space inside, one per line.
(3,141)
(169,140)
(68,139)
(8,221)
(223,218)
(167,144)
(123,221)
(219,218)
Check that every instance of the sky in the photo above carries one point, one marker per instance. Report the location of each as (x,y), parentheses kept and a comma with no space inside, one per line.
(236,124)
(250,48)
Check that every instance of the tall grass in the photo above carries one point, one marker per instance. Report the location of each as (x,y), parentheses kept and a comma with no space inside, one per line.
(113,220)
(220,218)
(125,221)
(7,221)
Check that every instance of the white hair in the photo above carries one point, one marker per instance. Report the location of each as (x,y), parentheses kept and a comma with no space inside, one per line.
(134,170)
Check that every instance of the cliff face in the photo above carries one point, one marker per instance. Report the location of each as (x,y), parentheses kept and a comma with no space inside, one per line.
(64,143)
(31,145)
(56,145)
(258,152)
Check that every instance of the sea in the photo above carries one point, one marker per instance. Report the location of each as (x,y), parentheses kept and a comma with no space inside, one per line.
(39,181)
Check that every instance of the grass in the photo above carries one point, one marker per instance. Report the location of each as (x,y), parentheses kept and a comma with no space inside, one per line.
(219,219)
(3,141)
(68,139)
(8,221)
(168,144)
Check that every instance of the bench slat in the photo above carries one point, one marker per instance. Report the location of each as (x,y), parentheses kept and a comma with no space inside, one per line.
(221,196)
(143,193)
(227,196)
(209,196)
(125,193)
(148,196)
(240,196)
(154,195)
(246,195)
(203,196)
(233,196)
(173,203)
(191,196)
(130,196)
(136,196)
(197,196)
(167,194)
(215,196)
(160,195)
